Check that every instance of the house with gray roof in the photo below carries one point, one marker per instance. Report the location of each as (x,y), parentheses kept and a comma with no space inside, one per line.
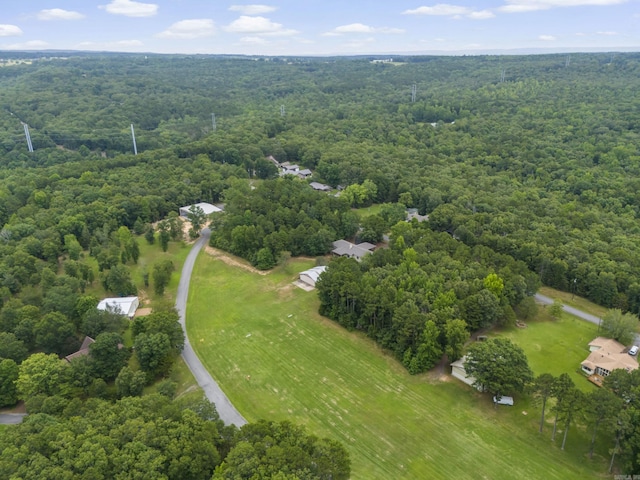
(343,248)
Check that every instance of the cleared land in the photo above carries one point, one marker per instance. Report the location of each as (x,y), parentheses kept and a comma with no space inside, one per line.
(555,346)
(276,358)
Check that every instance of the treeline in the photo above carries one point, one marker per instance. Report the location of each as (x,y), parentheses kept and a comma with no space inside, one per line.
(542,166)
(421,297)
(283,215)
(152,437)
(610,412)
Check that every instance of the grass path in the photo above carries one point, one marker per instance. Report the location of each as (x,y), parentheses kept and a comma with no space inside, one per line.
(276,358)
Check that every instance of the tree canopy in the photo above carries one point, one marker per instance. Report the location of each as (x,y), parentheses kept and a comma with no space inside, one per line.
(499,366)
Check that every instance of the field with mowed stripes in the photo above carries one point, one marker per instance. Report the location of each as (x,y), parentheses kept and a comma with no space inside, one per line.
(277,358)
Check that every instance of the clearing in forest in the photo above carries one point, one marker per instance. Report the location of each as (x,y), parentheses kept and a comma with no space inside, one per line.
(276,358)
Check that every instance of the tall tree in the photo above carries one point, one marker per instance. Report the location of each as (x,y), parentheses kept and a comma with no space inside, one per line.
(499,366)
(571,407)
(108,355)
(619,326)
(561,390)
(602,407)
(8,377)
(42,374)
(542,388)
(456,335)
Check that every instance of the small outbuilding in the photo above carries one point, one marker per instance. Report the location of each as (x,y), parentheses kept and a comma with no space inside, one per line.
(321,187)
(458,371)
(207,208)
(310,277)
(125,306)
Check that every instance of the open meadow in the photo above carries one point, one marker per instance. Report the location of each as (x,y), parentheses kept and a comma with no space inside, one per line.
(277,358)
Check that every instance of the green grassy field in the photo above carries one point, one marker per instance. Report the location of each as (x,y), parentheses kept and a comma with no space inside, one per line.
(555,346)
(367,211)
(276,358)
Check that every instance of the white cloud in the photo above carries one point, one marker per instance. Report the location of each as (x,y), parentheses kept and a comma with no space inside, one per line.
(189,29)
(258,26)
(252,9)
(360,28)
(518,6)
(130,8)
(30,45)
(454,11)
(253,41)
(481,15)
(59,14)
(359,43)
(440,9)
(547,38)
(10,31)
(607,33)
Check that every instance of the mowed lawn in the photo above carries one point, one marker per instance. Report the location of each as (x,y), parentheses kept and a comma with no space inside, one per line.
(555,346)
(276,358)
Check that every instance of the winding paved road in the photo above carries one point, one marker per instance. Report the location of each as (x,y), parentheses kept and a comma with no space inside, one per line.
(579,313)
(573,311)
(228,413)
(11,418)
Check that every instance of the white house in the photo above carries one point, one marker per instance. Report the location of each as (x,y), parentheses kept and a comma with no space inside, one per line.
(458,371)
(207,208)
(126,306)
(310,277)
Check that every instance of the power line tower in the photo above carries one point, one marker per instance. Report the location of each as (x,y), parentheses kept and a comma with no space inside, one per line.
(28,136)
(567,61)
(133,136)
(414,92)
(282,110)
(213,121)
(503,74)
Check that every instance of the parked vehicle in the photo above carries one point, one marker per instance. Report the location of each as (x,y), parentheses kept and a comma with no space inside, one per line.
(503,400)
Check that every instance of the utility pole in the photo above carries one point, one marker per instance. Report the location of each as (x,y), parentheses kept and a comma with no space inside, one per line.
(213,121)
(282,110)
(567,61)
(133,136)
(414,92)
(26,134)
(502,75)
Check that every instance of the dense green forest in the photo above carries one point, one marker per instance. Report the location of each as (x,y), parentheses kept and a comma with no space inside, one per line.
(528,180)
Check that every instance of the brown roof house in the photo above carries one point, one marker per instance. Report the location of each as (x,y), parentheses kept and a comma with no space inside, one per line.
(607,355)
(84,349)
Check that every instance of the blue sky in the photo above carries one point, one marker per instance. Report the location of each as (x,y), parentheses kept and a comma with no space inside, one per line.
(315,27)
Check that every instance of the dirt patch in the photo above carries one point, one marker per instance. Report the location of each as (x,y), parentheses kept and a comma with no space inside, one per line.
(229,260)
(303,286)
(143,312)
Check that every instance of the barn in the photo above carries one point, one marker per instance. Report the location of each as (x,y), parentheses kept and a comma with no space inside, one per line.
(207,208)
(310,277)
(126,306)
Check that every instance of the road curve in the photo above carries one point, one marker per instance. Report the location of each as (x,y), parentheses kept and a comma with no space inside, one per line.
(228,413)
(573,311)
(11,418)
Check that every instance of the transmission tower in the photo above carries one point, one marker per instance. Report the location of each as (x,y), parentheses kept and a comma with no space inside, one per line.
(567,61)
(213,121)
(503,74)
(414,92)
(282,110)
(133,136)
(28,136)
